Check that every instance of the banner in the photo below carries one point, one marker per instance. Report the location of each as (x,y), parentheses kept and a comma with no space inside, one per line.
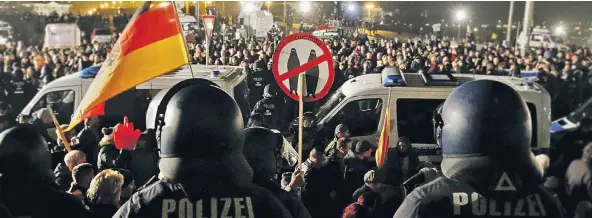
(62,36)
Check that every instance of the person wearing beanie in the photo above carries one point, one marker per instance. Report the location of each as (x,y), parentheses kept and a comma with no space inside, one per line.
(110,156)
(387,197)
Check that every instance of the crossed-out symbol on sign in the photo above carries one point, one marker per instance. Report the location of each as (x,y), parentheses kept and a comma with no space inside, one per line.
(283,49)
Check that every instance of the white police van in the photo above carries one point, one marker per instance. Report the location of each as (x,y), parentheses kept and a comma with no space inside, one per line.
(64,94)
(360,103)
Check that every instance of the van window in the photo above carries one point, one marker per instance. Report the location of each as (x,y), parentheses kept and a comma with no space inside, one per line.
(188,26)
(414,120)
(536,37)
(141,103)
(361,116)
(61,102)
(557,39)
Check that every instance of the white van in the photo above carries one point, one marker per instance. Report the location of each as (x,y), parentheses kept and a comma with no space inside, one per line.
(542,38)
(64,94)
(359,103)
(188,23)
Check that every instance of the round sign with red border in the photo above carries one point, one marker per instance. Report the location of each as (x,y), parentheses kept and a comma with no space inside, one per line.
(303,53)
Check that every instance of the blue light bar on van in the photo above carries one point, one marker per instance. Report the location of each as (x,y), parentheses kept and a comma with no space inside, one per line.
(90,72)
(215,73)
(391,77)
(394,80)
(529,74)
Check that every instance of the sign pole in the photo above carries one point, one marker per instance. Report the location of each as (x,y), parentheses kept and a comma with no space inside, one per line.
(60,133)
(207,50)
(300,117)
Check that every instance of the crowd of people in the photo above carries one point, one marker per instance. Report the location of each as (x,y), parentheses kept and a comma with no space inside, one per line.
(245,176)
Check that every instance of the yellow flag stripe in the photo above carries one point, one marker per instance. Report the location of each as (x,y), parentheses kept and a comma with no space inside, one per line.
(133,69)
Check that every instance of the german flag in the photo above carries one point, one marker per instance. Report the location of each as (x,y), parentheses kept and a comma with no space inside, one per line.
(385,136)
(150,45)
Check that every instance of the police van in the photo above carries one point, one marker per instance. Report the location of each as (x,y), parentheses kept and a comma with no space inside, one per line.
(360,104)
(65,93)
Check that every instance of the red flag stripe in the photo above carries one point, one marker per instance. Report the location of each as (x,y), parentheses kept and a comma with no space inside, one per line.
(98,110)
(162,17)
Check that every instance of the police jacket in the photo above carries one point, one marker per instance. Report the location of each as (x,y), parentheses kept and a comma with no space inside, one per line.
(272,109)
(456,194)
(31,196)
(211,189)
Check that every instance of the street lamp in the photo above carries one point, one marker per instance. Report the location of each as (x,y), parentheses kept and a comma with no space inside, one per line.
(248,7)
(351,7)
(559,30)
(268,3)
(369,6)
(305,7)
(461,15)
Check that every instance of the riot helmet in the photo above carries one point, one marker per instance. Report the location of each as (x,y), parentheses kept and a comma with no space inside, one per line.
(23,149)
(195,119)
(263,151)
(197,127)
(488,121)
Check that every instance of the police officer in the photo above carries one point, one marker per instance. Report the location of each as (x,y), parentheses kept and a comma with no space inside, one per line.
(257,79)
(272,108)
(484,129)
(27,188)
(18,89)
(203,172)
(263,150)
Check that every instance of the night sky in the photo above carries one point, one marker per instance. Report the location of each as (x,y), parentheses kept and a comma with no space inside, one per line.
(480,12)
(491,12)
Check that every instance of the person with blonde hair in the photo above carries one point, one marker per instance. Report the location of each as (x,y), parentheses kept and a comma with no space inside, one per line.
(104,193)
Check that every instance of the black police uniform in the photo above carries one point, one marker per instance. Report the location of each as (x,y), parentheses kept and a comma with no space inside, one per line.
(263,152)
(257,80)
(18,91)
(203,172)
(484,129)
(272,108)
(26,187)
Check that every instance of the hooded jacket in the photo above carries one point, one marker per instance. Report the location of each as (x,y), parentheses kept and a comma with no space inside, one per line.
(62,177)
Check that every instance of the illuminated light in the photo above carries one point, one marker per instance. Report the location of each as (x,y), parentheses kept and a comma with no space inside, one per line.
(369,6)
(215,73)
(305,6)
(559,30)
(475,29)
(461,15)
(351,7)
(248,7)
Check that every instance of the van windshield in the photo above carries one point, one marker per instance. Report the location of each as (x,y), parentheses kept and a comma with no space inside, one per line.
(335,99)
(556,39)
(189,26)
(4,33)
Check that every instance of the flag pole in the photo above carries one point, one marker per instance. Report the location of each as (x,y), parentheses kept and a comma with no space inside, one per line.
(300,117)
(184,40)
(60,133)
